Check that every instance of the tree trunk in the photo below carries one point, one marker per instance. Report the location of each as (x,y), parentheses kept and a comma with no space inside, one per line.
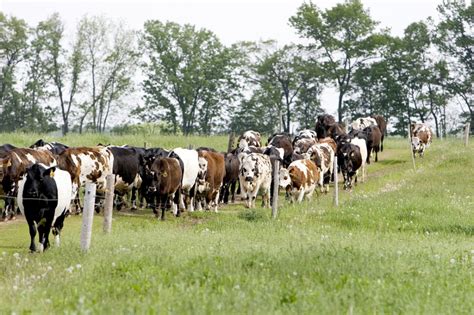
(339,105)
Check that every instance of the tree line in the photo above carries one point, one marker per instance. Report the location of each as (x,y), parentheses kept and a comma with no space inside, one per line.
(188,81)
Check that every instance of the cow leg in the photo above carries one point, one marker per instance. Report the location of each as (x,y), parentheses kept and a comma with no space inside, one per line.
(32,228)
(216,200)
(233,187)
(321,181)
(175,203)
(300,194)
(163,205)
(376,154)
(58,226)
(134,198)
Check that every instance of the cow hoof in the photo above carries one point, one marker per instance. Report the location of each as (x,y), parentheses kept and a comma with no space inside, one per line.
(41,248)
(134,208)
(12,217)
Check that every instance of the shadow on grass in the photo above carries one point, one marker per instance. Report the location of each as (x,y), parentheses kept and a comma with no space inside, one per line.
(467,230)
(391,162)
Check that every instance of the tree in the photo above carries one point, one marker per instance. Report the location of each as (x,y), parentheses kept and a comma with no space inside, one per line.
(454,38)
(110,57)
(189,77)
(345,35)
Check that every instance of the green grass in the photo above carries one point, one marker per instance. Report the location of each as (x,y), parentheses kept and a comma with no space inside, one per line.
(400,243)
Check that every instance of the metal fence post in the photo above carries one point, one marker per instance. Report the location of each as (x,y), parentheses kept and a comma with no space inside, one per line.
(109,202)
(276,184)
(411,149)
(336,187)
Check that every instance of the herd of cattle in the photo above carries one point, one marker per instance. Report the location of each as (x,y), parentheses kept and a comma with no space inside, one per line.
(46,178)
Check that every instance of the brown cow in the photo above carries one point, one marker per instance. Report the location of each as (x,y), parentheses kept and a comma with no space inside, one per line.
(165,174)
(374,137)
(12,167)
(210,178)
(382,124)
(86,164)
(300,179)
(421,137)
(230,179)
(283,141)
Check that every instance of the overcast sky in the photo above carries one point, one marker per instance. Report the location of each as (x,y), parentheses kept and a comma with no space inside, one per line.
(231,20)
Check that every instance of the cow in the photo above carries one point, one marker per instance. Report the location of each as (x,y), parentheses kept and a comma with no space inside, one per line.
(305,134)
(86,164)
(349,161)
(283,141)
(163,180)
(230,179)
(359,139)
(44,198)
(363,122)
(12,167)
(4,148)
(127,169)
(322,155)
(302,145)
(189,162)
(210,178)
(251,138)
(300,179)
(373,136)
(421,138)
(326,126)
(382,124)
(255,177)
(54,147)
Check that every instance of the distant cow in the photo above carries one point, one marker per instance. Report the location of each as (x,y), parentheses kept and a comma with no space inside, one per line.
(283,141)
(326,126)
(13,166)
(54,147)
(359,139)
(373,136)
(230,179)
(349,161)
(44,198)
(363,122)
(421,138)
(189,161)
(86,164)
(251,138)
(210,178)
(382,124)
(322,155)
(165,177)
(305,134)
(255,177)
(300,179)
(302,145)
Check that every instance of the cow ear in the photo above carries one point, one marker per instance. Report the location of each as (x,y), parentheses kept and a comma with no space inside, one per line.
(49,172)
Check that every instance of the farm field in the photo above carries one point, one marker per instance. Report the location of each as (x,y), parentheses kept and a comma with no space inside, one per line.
(403,242)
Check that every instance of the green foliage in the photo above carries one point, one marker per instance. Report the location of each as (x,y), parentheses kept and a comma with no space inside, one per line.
(189,77)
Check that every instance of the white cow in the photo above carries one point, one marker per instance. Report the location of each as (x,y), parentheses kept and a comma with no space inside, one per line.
(189,158)
(255,177)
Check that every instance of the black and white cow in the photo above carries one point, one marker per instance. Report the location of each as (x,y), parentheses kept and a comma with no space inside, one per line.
(255,178)
(349,161)
(44,198)
(54,147)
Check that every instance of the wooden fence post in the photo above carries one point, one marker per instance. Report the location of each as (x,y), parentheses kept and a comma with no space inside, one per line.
(466,134)
(144,144)
(109,202)
(276,184)
(336,187)
(190,146)
(411,149)
(88,216)
(230,144)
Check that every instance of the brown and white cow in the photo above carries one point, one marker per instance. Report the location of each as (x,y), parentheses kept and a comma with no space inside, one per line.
(421,138)
(250,138)
(255,178)
(302,145)
(300,179)
(363,122)
(210,178)
(322,155)
(165,176)
(86,164)
(13,165)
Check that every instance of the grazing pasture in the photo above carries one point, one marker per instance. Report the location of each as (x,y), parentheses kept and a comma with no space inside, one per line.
(402,242)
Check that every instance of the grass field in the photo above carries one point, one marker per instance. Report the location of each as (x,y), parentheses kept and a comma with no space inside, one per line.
(403,242)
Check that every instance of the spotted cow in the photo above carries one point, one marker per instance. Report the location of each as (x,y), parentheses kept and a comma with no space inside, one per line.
(421,138)
(300,179)
(255,177)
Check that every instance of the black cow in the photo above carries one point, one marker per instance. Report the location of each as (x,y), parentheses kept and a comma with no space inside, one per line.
(54,147)
(283,141)
(231,178)
(349,161)
(44,197)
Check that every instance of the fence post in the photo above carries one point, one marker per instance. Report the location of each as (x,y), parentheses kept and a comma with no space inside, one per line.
(276,185)
(336,180)
(109,202)
(411,149)
(466,134)
(144,144)
(190,146)
(87,216)
(230,144)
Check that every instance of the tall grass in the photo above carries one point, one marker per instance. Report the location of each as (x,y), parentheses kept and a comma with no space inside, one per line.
(400,243)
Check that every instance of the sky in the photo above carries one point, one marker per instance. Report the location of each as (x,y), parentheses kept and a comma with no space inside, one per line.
(231,20)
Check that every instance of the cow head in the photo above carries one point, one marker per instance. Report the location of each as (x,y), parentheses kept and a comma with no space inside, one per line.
(37,177)
(202,170)
(249,168)
(415,144)
(284,178)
